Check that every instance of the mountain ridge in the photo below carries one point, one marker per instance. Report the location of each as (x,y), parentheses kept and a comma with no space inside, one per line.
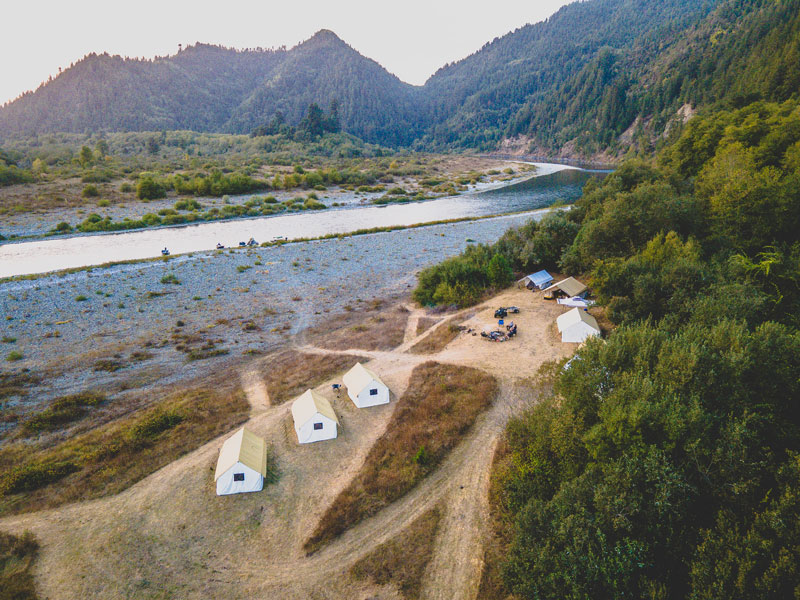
(596,78)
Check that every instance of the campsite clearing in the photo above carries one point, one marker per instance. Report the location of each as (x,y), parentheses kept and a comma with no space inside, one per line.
(169,535)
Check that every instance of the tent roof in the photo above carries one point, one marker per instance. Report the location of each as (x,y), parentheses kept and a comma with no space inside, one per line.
(575,316)
(539,278)
(570,286)
(310,403)
(245,447)
(359,377)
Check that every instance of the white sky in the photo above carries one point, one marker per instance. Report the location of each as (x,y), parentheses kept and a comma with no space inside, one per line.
(410,38)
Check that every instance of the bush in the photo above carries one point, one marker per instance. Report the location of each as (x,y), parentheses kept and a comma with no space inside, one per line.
(14,356)
(62,411)
(33,476)
(170,278)
(126,188)
(90,191)
(149,189)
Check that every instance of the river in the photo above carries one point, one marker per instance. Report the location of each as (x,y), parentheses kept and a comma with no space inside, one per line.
(552,183)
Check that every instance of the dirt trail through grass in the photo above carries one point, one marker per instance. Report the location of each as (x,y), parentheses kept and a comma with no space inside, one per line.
(169,533)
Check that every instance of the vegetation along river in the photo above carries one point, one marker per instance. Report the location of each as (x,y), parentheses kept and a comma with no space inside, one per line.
(551,184)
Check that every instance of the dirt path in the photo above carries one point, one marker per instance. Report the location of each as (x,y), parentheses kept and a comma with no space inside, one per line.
(170,536)
(255,389)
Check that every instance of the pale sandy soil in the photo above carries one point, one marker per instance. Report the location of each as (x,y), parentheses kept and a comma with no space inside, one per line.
(169,536)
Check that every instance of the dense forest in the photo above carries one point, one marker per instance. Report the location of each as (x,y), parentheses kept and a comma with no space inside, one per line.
(597,76)
(665,462)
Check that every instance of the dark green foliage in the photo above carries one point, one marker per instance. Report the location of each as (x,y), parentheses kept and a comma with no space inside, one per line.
(464,279)
(147,429)
(665,465)
(149,189)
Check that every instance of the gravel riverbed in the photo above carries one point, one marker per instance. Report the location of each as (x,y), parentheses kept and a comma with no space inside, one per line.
(226,303)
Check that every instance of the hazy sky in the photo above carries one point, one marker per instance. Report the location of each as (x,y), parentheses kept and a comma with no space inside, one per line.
(411,38)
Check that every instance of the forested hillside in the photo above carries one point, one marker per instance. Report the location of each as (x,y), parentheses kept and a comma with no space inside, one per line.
(664,463)
(597,78)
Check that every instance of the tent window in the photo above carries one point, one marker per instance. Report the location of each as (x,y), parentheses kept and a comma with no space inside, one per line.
(373,392)
(238,476)
(317,426)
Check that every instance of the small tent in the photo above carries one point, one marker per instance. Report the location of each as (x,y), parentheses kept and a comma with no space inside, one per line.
(364,387)
(577,325)
(537,281)
(569,286)
(242,464)
(314,419)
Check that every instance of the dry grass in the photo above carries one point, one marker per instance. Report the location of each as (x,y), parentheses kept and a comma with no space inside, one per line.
(402,561)
(438,408)
(425,323)
(17,554)
(114,456)
(496,545)
(437,339)
(372,327)
(290,373)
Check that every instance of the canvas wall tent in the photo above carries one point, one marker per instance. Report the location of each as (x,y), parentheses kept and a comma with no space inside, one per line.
(364,387)
(577,325)
(569,286)
(314,419)
(537,281)
(242,464)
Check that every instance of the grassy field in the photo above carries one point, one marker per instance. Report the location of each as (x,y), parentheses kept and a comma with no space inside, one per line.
(402,561)
(438,338)
(290,373)
(425,323)
(438,408)
(371,327)
(114,456)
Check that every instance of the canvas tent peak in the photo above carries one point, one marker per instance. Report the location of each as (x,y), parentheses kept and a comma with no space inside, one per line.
(242,463)
(314,418)
(570,286)
(577,325)
(364,387)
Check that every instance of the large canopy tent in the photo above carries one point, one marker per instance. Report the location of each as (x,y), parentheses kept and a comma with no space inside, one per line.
(364,387)
(242,464)
(569,286)
(537,280)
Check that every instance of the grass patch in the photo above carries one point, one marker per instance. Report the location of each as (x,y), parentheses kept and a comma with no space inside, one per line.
(14,356)
(289,373)
(16,384)
(437,339)
(438,408)
(402,561)
(425,323)
(109,365)
(17,555)
(374,327)
(116,455)
(170,278)
(63,411)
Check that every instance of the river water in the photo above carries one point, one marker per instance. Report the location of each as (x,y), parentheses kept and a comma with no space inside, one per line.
(551,184)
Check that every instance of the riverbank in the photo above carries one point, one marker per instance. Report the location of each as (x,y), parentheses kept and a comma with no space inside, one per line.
(461,174)
(129,328)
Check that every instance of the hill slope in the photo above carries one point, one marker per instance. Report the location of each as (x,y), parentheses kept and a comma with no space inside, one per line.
(598,76)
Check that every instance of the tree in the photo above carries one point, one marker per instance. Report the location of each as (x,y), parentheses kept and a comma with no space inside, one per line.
(101,148)
(86,157)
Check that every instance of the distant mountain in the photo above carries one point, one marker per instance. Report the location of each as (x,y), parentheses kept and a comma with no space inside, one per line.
(374,104)
(598,76)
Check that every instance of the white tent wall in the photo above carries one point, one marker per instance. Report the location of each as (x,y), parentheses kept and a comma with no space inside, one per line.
(227,484)
(577,333)
(307,434)
(365,398)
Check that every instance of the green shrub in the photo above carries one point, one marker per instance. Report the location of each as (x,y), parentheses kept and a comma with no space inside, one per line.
(149,189)
(170,278)
(14,356)
(90,191)
(62,411)
(126,188)
(33,476)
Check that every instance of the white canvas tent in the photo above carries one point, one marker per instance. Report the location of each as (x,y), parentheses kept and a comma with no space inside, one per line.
(242,464)
(577,325)
(570,286)
(364,387)
(314,419)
